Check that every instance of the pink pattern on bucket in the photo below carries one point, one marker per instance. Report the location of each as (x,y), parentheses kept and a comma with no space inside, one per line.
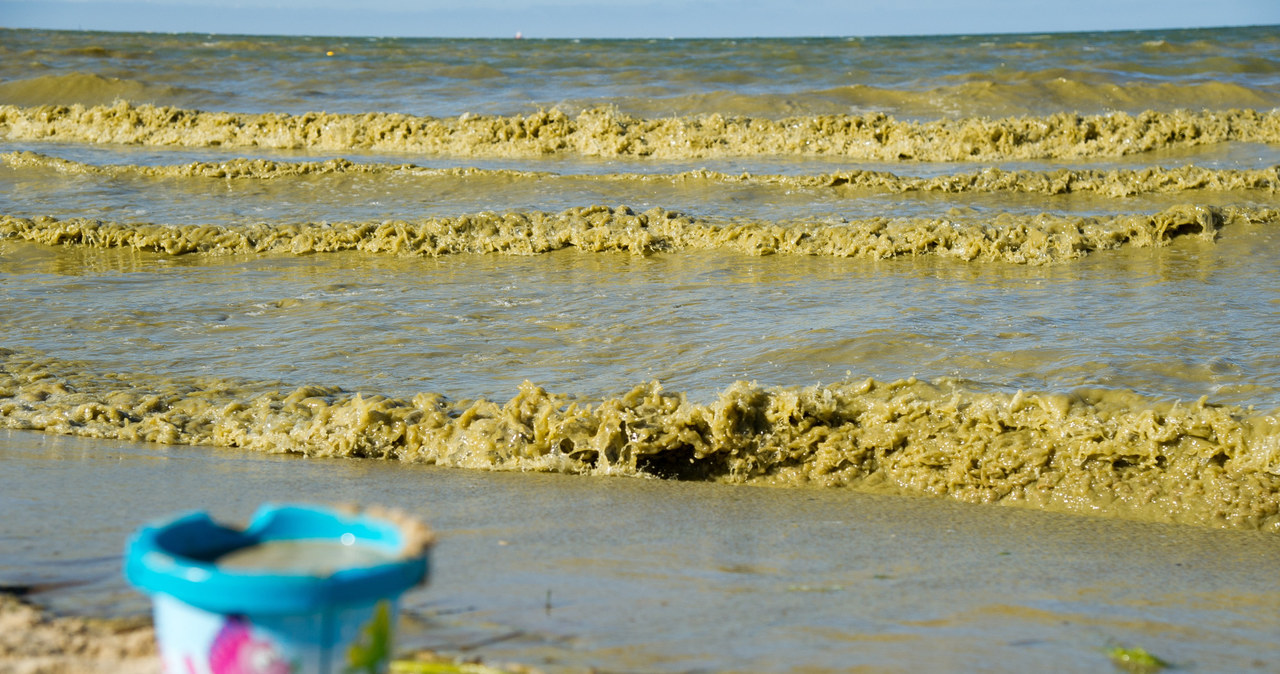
(236,651)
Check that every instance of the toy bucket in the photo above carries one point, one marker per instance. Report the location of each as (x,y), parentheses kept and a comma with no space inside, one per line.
(300,589)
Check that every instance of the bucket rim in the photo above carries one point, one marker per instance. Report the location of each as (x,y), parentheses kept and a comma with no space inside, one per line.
(176,557)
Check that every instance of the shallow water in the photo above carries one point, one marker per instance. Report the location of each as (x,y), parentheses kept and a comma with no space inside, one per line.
(594,325)
(905,266)
(570,573)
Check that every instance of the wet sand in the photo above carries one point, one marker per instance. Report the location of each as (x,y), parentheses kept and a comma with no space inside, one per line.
(568,573)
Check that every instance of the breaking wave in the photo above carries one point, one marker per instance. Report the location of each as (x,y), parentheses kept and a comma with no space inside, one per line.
(1089,451)
(605,132)
(1010,238)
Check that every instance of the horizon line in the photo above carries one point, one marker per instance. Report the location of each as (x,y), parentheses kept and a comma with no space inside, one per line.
(521,36)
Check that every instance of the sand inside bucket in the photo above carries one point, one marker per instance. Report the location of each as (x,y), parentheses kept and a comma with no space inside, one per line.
(310,557)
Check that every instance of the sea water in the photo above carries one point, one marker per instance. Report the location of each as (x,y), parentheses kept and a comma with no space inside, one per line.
(1026,270)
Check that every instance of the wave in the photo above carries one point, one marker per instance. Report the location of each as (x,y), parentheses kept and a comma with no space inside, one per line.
(92,51)
(91,89)
(1099,452)
(605,132)
(249,169)
(1008,238)
(478,71)
(1107,182)
(1015,94)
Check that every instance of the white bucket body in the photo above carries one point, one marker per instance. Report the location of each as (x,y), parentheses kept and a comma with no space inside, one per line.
(348,638)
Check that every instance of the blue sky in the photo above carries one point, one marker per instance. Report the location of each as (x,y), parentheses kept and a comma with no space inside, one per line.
(631,18)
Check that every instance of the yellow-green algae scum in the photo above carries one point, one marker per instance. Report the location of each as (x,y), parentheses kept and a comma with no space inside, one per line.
(1108,452)
(605,132)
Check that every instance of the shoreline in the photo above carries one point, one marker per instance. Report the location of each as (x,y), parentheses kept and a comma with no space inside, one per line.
(571,574)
